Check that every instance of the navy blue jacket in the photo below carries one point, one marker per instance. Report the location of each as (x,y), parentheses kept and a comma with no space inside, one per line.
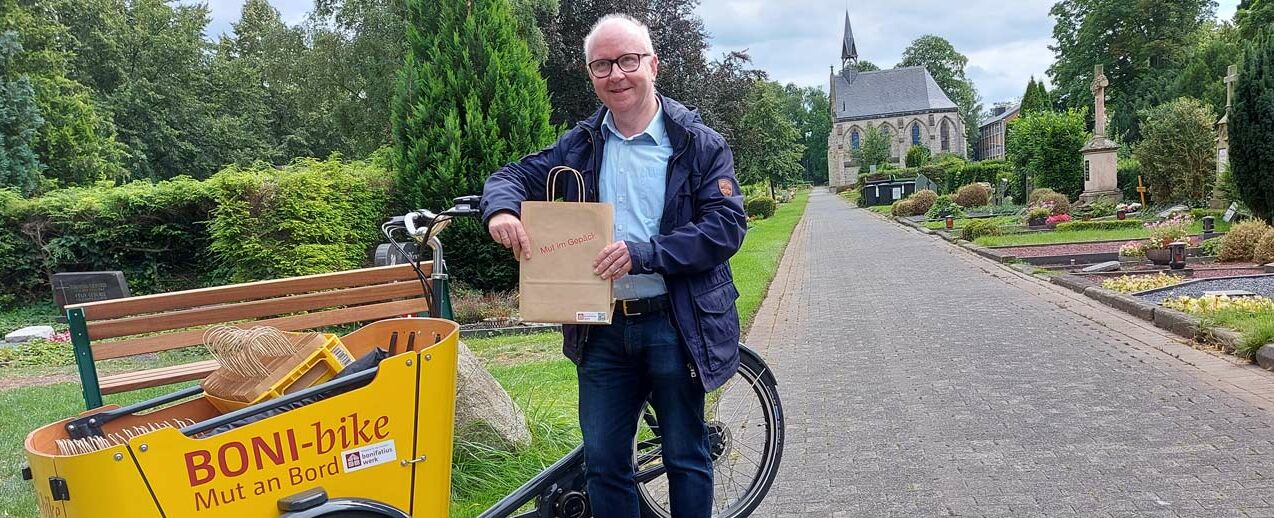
(702,227)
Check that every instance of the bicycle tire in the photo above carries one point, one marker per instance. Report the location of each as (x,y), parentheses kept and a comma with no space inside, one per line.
(755,373)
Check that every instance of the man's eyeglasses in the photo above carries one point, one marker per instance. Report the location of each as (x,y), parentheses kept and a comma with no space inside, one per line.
(601,68)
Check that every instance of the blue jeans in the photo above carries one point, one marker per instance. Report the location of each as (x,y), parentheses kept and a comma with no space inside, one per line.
(623,364)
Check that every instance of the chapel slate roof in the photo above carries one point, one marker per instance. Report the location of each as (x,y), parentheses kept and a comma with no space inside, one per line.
(996,118)
(882,93)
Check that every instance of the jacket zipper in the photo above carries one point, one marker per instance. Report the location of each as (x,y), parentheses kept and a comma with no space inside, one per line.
(673,312)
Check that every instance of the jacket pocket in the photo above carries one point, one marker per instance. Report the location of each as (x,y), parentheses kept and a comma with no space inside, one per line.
(718,323)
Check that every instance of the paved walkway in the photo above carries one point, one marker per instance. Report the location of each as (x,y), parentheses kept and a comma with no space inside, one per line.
(920,380)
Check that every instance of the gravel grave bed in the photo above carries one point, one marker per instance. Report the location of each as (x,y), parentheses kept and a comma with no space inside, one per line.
(1262,285)
(1063,249)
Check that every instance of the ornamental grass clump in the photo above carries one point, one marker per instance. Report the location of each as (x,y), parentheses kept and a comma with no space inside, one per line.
(1139,283)
(1264,251)
(1239,244)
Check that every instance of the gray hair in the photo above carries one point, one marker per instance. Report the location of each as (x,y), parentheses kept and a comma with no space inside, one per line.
(643,32)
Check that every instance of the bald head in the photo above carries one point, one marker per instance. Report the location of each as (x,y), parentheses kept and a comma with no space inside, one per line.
(619,27)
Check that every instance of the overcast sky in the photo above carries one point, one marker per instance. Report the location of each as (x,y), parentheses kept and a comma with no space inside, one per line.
(796,40)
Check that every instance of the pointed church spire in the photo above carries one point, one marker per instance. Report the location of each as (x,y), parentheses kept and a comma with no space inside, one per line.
(848,51)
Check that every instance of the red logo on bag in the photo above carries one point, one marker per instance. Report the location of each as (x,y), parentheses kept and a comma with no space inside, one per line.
(727,188)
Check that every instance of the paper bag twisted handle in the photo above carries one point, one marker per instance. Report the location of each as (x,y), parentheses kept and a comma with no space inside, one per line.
(552,190)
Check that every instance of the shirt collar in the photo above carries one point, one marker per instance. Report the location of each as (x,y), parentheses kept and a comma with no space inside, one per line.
(655,130)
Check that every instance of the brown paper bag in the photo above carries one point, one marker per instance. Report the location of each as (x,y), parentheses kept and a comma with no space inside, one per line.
(557,285)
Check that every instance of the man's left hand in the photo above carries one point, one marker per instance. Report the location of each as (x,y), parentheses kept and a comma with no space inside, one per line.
(613,262)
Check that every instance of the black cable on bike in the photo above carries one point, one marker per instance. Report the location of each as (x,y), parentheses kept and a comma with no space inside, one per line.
(388,230)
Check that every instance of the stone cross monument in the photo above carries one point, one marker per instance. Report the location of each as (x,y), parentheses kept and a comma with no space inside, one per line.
(1100,153)
(1223,135)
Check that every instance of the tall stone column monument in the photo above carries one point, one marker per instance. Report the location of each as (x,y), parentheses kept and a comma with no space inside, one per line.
(1100,153)
(1223,137)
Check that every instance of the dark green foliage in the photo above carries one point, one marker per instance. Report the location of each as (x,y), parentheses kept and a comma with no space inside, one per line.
(1252,128)
(20,263)
(1035,99)
(313,216)
(1254,16)
(1178,151)
(154,233)
(867,66)
(469,101)
(1211,247)
(1216,47)
(1046,146)
(1113,224)
(1127,171)
(808,110)
(874,150)
(917,156)
(946,65)
(944,206)
(761,206)
(1140,45)
(989,171)
(19,121)
(978,228)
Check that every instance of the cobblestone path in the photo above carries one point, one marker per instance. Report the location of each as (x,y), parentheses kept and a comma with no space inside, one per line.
(921,380)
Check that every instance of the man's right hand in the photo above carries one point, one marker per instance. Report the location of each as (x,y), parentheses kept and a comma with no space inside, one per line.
(507,230)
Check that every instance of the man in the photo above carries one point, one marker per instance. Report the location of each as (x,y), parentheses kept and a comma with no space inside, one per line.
(678,219)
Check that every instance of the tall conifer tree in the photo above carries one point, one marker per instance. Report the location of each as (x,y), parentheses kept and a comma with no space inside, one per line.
(470,99)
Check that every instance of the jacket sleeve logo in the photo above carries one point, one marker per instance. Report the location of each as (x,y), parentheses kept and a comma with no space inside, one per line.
(727,188)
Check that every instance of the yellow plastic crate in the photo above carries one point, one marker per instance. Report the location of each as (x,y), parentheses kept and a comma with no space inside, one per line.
(319,358)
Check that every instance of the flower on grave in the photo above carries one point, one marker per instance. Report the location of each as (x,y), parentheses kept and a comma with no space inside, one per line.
(1133,249)
(63,336)
(1174,228)
(1128,207)
(1136,283)
(1057,218)
(1209,304)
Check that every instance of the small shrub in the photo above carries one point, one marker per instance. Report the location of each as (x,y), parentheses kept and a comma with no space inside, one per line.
(972,195)
(1137,283)
(1264,251)
(1098,225)
(1211,247)
(903,208)
(1037,215)
(978,228)
(762,207)
(1101,209)
(1057,202)
(1039,194)
(944,206)
(1240,242)
(922,201)
(917,156)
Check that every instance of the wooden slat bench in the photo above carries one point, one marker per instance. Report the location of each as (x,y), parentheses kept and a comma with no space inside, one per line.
(148,324)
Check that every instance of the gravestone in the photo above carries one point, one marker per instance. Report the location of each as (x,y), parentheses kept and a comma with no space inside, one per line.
(1108,266)
(29,333)
(81,287)
(1100,153)
(1230,212)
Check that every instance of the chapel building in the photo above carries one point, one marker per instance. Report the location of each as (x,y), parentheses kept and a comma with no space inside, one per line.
(905,103)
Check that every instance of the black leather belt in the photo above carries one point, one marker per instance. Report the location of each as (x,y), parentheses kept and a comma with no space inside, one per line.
(634,307)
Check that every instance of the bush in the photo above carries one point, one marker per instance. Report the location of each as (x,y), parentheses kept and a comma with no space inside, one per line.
(1264,251)
(922,201)
(978,228)
(312,216)
(1046,145)
(1057,202)
(1039,194)
(917,156)
(1037,215)
(1239,244)
(1100,209)
(1178,150)
(1126,171)
(1114,224)
(154,233)
(972,195)
(944,206)
(762,207)
(1211,247)
(902,208)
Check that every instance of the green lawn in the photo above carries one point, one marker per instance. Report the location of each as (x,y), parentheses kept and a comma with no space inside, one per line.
(1081,236)
(1257,328)
(530,367)
(756,263)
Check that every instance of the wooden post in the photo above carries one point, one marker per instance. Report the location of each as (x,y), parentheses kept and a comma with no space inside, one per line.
(1141,189)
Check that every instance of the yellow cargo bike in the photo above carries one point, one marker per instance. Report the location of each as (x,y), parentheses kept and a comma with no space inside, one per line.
(367,443)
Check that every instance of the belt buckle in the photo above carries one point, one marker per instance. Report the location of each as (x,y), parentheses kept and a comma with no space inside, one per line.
(625,307)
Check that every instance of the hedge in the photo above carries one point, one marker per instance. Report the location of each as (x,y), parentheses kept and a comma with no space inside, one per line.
(309,217)
(1114,224)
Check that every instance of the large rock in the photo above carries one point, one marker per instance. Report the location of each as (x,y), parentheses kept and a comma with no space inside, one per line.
(29,333)
(484,411)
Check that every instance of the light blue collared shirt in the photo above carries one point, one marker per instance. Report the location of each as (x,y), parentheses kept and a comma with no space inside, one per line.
(633,178)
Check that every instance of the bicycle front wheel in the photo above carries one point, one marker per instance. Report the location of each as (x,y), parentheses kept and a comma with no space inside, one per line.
(745,425)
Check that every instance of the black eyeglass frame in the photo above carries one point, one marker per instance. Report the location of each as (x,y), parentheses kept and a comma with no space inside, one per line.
(615,63)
